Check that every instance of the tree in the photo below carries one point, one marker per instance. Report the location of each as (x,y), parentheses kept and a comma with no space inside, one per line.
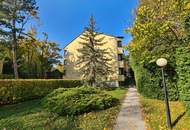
(36,57)
(28,56)
(157,31)
(93,61)
(4,54)
(49,54)
(14,15)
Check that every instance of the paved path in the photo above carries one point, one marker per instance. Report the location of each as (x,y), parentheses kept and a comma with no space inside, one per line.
(130,116)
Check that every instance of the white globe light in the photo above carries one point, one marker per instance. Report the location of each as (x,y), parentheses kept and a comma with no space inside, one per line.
(161,62)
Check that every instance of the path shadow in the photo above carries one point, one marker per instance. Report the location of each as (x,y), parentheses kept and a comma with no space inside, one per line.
(178,119)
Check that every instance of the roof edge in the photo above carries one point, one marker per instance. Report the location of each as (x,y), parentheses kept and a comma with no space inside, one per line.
(119,37)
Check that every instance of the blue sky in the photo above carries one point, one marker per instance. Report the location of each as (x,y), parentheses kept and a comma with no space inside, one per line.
(63,20)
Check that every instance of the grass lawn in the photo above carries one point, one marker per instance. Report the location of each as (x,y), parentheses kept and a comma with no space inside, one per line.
(155,117)
(30,115)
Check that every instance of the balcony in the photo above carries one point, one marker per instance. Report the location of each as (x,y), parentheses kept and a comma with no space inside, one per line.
(120,50)
(121,78)
(121,64)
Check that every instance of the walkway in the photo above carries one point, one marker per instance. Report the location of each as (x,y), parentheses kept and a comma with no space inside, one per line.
(130,116)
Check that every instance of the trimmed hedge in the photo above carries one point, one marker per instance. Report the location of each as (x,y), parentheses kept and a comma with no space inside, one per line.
(183,71)
(14,91)
(149,82)
(76,101)
(6,76)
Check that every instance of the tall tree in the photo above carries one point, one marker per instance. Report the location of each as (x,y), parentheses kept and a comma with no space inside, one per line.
(28,55)
(93,61)
(13,17)
(36,57)
(49,54)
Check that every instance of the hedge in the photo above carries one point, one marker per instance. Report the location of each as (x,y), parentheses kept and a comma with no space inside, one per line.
(6,76)
(149,82)
(183,72)
(14,91)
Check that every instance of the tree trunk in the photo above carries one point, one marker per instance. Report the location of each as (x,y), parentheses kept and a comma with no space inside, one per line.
(1,66)
(15,66)
(32,71)
(29,64)
(42,65)
(14,50)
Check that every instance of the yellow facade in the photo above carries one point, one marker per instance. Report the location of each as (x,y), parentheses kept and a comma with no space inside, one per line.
(111,44)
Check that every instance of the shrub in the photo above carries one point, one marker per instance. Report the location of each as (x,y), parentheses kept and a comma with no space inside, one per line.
(77,100)
(13,91)
(183,71)
(110,88)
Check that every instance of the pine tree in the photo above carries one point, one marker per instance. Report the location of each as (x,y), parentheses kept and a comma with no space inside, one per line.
(93,61)
(14,14)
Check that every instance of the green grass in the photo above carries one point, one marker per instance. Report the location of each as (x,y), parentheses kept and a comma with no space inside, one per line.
(118,93)
(31,115)
(155,117)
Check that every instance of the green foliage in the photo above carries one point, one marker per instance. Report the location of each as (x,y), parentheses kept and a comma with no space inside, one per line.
(162,29)
(93,61)
(118,93)
(4,51)
(14,91)
(36,57)
(78,100)
(149,82)
(13,18)
(17,11)
(48,54)
(6,76)
(146,83)
(108,88)
(31,57)
(157,31)
(183,72)
(31,115)
(5,54)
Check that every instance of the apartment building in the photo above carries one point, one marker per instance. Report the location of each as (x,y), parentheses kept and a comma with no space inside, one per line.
(112,43)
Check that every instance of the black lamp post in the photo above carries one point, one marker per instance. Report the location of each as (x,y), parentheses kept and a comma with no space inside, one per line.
(161,62)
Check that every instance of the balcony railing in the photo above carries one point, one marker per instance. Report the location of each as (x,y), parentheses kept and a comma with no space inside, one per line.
(121,64)
(120,50)
(121,78)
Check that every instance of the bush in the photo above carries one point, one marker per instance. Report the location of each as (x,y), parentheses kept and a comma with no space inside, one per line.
(106,88)
(14,91)
(77,101)
(183,71)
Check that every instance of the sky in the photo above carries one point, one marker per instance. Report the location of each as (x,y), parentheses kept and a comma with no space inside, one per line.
(64,20)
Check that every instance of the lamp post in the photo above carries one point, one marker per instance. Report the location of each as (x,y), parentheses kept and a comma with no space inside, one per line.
(161,62)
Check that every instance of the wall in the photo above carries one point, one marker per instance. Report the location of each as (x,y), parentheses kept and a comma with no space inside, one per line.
(72,71)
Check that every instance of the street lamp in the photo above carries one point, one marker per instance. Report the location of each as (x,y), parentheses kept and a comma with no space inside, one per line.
(161,62)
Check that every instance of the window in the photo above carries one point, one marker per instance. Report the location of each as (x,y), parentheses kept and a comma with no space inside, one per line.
(65,62)
(119,44)
(121,71)
(120,57)
(65,52)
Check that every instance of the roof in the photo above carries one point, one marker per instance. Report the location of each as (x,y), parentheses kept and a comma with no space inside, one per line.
(119,37)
